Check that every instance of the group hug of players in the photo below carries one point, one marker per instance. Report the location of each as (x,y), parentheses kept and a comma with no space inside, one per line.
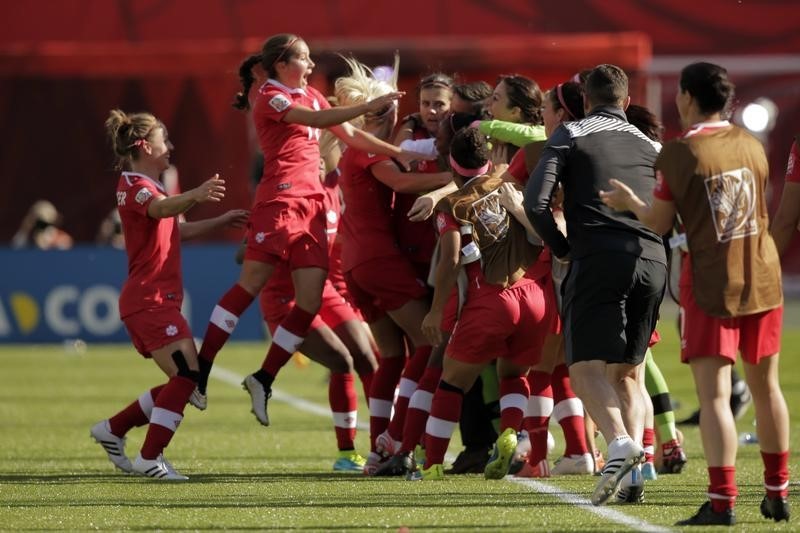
(405,251)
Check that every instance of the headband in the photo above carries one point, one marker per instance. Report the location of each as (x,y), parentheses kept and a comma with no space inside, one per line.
(469,172)
(560,95)
(288,45)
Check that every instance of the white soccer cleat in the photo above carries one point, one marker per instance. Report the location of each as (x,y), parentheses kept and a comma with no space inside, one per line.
(616,468)
(198,399)
(386,445)
(158,468)
(571,465)
(113,445)
(631,489)
(258,397)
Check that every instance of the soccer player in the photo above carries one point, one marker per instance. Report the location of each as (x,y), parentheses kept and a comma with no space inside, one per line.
(617,273)
(505,316)
(715,177)
(287,224)
(150,300)
(787,219)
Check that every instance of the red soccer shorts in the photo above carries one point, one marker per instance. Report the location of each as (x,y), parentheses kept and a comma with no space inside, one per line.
(756,336)
(384,284)
(292,230)
(152,329)
(334,310)
(511,324)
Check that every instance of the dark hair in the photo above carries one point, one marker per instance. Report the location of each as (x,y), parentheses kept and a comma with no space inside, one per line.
(606,85)
(470,149)
(274,49)
(709,86)
(474,92)
(569,97)
(451,124)
(435,80)
(525,94)
(645,121)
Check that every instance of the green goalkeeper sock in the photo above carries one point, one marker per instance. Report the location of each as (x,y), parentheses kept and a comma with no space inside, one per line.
(662,405)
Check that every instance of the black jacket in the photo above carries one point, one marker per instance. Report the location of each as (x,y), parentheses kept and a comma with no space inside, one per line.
(582,156)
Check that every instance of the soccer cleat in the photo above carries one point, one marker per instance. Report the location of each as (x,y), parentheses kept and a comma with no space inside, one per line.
(706,516)
(349,461)
(539,470)
(433,473)
(398,465)
(649,471)
(198,399)
(570,465)
(113,445)
(419,455)
(500,461)
(470,461)
(157,468)
(631,489)
(374,460)
(615,469)
(673,458)
(259,395)
(740,402)
(386,445)
(776,508)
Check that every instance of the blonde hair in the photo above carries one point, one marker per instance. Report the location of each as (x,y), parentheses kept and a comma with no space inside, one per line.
(125,131)
(361,85)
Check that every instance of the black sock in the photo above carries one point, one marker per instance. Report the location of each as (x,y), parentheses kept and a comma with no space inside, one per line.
(264,377)
(205,371)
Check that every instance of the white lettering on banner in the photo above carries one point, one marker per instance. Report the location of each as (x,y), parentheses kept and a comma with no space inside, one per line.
(94,322)
(54,305)
(5,326)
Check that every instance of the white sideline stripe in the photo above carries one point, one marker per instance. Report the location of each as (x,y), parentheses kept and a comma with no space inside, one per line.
(606,513)
(234,379)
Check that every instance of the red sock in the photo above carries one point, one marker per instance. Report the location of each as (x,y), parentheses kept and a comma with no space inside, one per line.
(366,384)
(722,487)
(412,373)
(537,414)
(136,414)
(514,394)
(648,443)
(445,412)
(419,407)
(167,415)
(568,412)
(381,395)
(776,474)
(288,337)
(342,397)
(223,320)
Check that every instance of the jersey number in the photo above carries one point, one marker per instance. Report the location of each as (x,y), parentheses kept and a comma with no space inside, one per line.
(121,197)
(313,133)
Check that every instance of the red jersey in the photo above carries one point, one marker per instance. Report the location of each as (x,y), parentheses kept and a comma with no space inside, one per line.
(367,231)
(291,151)
(517,168)
(153,248)
(417,240)
(793,165)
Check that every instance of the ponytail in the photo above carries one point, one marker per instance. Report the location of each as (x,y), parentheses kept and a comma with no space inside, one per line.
(241,101)
(126,133)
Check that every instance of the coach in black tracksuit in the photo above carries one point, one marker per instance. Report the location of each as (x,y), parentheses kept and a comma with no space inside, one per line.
(618,266)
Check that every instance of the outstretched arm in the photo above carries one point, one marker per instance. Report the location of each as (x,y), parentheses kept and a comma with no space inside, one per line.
(235,218)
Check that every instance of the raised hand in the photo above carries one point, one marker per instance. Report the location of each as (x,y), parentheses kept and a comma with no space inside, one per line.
(380,103)
(212,190)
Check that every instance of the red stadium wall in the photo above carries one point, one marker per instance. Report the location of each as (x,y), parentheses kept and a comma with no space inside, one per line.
(64,63)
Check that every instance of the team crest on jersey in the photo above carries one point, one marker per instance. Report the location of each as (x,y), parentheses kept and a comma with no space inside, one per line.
(260,237)
(732,198)
(143,195)
(279,102)
(172,330)
(491,215)
(332,216)
(441,222)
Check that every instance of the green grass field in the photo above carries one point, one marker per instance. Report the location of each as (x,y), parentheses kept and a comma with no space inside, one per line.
(244,476)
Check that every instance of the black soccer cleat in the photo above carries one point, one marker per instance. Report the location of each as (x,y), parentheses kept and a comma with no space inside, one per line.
(706,516)
(776,508)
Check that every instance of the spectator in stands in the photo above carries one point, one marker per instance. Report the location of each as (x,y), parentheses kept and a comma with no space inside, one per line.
(41,229)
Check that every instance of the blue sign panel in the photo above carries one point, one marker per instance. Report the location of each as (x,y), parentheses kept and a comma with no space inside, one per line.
(49,296)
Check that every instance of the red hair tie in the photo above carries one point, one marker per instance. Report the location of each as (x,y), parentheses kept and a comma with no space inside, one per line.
(560,95)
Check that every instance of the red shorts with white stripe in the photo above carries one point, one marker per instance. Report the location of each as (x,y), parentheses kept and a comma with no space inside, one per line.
(384,284)
(334,310)
(152,329)
(512,324)
(756,336)
(292,230)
